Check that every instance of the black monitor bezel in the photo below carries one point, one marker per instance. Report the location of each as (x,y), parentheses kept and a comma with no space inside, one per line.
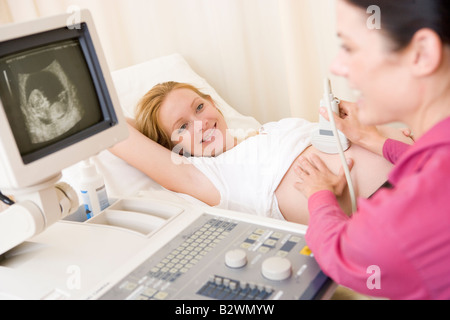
(82,35)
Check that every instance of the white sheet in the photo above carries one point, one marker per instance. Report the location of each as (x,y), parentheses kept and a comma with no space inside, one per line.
(131,84)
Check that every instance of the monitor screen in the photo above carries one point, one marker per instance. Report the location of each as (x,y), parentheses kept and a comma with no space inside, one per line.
(57,99)
(48,95)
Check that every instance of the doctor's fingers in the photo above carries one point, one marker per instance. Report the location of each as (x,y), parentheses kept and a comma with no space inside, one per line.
(347,108)
(304,167)
(313,165)
(338,119)
(309,168)
(318,163)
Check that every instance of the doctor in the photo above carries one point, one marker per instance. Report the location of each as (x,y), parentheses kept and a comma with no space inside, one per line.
(397,244)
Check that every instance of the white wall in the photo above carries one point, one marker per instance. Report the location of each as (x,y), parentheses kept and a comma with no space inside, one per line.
(267,58)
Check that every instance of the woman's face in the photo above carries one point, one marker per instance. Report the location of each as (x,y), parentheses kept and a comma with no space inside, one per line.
(193,123)
(379,76)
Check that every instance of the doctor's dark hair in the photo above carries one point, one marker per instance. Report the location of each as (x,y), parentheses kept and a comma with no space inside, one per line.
(401,19)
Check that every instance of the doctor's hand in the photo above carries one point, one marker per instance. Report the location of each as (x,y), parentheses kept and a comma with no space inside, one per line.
(314,175)
(347,121)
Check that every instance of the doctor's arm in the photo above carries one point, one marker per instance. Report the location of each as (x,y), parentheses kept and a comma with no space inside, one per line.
(349,248)
(357,252)
(385,141)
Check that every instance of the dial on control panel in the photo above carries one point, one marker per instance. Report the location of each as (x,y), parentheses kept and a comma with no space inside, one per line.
(236,258)
(273,268)
(276,268)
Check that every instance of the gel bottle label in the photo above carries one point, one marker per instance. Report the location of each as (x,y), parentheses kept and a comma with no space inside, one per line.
(102,197)
(87,204)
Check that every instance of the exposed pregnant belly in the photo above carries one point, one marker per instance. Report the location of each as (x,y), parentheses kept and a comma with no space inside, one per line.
(369,172)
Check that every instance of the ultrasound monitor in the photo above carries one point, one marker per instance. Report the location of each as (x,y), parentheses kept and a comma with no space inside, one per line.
(58,106)
(57,101)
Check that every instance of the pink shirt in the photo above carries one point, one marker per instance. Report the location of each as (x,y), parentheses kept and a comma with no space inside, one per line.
(397,245)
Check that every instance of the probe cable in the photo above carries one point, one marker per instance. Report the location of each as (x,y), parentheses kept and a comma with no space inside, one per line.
(341,154)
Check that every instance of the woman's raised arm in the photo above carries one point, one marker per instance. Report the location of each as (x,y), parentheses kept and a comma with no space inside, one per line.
(168,169)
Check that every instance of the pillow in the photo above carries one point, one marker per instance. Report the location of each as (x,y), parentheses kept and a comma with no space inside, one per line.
(131,84)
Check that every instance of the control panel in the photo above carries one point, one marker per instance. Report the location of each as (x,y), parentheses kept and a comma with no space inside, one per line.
(220,258)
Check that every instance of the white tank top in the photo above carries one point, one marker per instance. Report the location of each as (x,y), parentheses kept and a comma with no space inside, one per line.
(248,175)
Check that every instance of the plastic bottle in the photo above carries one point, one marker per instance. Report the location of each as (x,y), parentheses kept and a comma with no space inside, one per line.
(93,190)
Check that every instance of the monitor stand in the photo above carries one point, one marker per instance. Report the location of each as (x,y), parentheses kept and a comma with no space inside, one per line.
(36,208)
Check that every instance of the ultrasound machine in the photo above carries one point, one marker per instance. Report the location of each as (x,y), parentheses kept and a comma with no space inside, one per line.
(58,106)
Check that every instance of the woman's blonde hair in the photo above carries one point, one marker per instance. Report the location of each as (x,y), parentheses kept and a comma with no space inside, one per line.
(147,111)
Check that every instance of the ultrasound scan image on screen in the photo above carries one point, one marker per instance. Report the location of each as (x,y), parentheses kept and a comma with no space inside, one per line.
(49,103)
(48,94)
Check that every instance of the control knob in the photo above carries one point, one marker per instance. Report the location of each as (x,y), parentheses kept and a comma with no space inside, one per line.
(236,258)
(276,268)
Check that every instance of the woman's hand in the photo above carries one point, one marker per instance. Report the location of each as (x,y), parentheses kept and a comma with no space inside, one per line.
(315,176)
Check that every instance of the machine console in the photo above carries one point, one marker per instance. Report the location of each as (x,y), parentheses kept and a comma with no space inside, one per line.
(224,259)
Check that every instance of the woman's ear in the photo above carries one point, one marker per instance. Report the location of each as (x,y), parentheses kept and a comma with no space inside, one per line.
(427,50)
